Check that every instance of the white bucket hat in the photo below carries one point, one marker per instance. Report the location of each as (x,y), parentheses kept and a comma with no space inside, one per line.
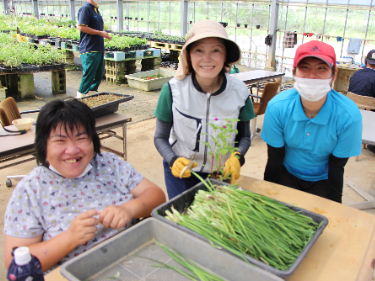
(204,29)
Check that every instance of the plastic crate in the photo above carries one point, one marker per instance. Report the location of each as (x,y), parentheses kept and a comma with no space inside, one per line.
(139,54)
(130,55)
(155,52)
(147,53)
(182,202)
(117,56)
(122,254)
(135,81)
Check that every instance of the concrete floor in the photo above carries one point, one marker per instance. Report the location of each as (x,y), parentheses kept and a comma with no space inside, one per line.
(143,155)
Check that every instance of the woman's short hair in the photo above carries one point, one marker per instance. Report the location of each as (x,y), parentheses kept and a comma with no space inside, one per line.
(71,114)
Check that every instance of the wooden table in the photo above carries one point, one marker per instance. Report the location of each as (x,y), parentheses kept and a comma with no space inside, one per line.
(368,137)
(255,76)
(344,251)
(20,145)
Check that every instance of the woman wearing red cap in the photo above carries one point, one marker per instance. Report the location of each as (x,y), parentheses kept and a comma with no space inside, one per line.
(312,130)
(200,93)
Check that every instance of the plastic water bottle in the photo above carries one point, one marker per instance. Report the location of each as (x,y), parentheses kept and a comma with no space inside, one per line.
(25,267)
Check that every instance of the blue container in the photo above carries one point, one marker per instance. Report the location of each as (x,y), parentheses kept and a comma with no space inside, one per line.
(139,54)
(156,52)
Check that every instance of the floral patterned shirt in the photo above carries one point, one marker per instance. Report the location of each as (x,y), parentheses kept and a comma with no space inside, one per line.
(46,203)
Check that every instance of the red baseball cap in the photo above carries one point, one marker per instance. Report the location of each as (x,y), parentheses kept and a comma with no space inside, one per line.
(315,49)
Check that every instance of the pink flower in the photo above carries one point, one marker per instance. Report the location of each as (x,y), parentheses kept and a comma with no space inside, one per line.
(224,126)
(229,121)
(216,119)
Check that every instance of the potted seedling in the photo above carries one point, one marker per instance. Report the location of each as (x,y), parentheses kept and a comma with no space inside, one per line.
(136,18)
(141,18)
(245,25)
(238,24)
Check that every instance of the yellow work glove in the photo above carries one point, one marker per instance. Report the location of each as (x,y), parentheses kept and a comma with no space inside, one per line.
(232,166)
(182,166)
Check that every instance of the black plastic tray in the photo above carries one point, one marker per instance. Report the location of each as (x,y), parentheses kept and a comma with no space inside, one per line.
(110,107)
(185,199)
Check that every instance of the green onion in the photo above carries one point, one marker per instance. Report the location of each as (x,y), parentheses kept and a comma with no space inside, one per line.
(248,224)
(195,272)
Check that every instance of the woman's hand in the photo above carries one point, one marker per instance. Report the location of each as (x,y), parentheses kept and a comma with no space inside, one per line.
(179,170)
(232,168)
(115,216)
(83,227)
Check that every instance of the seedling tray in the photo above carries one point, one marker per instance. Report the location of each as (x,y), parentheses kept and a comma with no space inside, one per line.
(182,202)
(120,255)
(110,107)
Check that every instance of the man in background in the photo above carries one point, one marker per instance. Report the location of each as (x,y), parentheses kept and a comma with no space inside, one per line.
(91,46)
(363,82)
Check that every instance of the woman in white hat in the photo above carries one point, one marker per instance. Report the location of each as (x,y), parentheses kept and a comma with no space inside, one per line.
(200,93)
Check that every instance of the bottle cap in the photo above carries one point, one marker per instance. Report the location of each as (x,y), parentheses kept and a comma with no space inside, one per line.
(22,256)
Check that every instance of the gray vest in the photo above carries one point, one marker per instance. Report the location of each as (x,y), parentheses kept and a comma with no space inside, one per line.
(193,111)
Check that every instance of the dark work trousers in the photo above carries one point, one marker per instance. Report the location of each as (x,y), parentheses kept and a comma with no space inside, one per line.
(319,188)
(93,68)
(176,186)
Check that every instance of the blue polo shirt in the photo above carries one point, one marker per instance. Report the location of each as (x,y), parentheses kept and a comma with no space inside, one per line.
(363,82)
(89,15)
(337,130)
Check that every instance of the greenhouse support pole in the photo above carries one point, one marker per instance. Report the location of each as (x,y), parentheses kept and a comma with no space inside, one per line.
(120,15)
(5,4)
(72,10)
(184,14)
(271,63)
(36,9)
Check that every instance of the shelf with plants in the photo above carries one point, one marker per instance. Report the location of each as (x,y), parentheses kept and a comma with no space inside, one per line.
(125,43)
(164,38)
(23,57)
(40,29)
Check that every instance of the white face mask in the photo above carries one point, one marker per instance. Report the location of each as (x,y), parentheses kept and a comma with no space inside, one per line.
(312,89)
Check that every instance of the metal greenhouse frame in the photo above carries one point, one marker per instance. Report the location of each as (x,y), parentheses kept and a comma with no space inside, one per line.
(249,22)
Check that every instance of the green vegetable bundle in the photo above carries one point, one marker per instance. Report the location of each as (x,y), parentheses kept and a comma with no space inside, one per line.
(247,223)
(193,271)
